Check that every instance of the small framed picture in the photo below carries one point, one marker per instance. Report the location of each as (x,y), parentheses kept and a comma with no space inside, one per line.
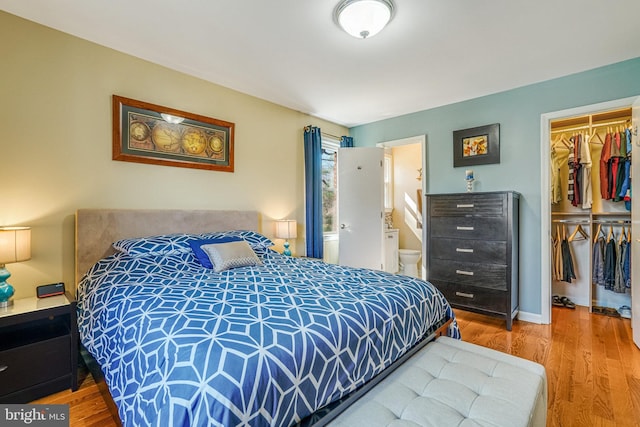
(476,146)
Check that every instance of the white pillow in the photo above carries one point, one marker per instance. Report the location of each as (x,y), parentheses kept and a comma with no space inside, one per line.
(228,255)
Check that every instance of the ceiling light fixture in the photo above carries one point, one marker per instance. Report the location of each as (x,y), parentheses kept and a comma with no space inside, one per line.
(363,18)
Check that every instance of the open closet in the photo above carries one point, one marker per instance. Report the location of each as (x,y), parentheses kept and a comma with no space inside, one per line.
(591,211)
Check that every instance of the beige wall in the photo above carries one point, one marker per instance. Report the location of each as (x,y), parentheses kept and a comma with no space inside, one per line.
(55,109)
(407,159)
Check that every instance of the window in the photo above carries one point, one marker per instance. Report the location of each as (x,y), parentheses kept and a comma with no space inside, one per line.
(330,185)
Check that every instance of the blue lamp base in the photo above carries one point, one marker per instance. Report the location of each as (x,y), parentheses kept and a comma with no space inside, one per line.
(287,251)
(6,290)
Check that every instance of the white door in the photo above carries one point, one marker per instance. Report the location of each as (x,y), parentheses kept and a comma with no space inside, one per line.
(635,225)
(361,207)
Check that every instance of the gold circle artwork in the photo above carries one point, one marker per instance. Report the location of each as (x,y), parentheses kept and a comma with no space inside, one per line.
(166,137)
(139,131)
(194,141)
(216,144)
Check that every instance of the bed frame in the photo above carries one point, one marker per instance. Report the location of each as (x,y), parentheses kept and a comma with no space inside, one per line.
(97,229)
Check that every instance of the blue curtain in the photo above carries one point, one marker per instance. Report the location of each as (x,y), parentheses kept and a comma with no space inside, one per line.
(346,142)
(313,191)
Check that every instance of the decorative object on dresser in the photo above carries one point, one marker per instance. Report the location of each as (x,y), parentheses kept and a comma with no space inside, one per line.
(38,348)
(286,229)
(476,146)
(15,246)
(472,250)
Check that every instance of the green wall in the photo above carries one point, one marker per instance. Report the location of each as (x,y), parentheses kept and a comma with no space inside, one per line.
(518,111)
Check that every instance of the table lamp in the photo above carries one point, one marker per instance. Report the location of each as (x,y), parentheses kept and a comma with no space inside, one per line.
(15,246)
(286,229)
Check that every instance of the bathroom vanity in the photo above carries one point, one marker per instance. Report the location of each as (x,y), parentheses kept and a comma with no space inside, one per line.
(391,250)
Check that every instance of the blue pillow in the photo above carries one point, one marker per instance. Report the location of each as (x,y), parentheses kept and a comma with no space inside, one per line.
(203,258)
(255,239)
(155,245)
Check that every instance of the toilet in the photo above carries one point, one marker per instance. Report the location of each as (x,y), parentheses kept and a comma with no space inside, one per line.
(409,260)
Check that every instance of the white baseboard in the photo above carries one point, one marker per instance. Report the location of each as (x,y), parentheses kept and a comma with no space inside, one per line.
(530,317)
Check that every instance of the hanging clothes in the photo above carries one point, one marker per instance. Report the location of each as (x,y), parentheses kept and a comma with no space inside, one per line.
(571,179)
(610,264)
(597,261)
(556,186)
(586,198)
(626,265)
(604,167)
(618,283)
(577,170)
(568,271)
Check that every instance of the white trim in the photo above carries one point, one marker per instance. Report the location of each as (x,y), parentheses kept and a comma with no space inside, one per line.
(529,317)
(545,191)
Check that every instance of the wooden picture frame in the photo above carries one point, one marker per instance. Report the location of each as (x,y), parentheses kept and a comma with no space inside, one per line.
(157,135)
(476,146)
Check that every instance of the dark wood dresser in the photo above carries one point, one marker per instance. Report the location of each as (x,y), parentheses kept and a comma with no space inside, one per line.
(472,250)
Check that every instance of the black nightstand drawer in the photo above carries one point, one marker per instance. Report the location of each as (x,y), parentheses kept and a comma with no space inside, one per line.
(34,363)
(472,297)
(463,250)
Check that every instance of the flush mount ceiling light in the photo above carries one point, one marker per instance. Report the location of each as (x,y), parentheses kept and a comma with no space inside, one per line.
(363,18)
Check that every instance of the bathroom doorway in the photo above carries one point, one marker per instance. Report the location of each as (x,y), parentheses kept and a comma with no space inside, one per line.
(405,163)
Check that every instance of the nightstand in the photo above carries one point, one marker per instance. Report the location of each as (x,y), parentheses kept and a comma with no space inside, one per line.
(38,348)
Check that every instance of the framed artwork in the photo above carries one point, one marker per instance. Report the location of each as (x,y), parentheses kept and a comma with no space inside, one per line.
(152,134)
(476,146)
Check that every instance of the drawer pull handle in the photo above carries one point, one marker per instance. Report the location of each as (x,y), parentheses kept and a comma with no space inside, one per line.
(463,228)
(463,205)
(466,273)
(465,250)
(389,236)
(463,294)
(3,368)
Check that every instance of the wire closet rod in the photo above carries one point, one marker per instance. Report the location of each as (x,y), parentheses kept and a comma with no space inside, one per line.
(611,221)
(571,221)
(599,125)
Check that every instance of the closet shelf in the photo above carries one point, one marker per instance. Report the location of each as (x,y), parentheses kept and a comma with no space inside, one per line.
(570,213)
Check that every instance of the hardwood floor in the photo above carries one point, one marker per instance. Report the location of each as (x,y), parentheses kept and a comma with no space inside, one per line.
(593,368)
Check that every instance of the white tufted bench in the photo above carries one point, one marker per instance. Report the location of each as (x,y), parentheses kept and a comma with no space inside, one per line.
(454,383)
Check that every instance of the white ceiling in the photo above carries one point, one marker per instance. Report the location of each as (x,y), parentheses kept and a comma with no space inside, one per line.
(291,52)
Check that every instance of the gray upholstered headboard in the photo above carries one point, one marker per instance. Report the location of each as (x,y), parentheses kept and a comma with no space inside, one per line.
(97,229)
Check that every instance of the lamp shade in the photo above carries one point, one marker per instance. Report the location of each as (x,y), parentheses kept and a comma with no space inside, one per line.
(15,244)
(363,18)
(286,229)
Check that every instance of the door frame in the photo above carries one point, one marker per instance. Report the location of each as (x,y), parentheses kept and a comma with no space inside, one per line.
(545,189)
(422,140)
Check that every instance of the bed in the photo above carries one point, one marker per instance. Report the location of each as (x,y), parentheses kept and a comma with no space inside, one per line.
(282,341)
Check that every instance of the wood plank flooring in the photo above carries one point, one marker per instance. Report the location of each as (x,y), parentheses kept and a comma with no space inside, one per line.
(593,368)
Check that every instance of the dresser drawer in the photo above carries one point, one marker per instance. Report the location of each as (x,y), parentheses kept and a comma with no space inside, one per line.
(490,228)
(477,251)
(27,365)
(468,205)
(485,276)
(472,297)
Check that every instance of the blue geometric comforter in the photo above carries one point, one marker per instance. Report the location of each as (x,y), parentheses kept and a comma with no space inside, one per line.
(182,345)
